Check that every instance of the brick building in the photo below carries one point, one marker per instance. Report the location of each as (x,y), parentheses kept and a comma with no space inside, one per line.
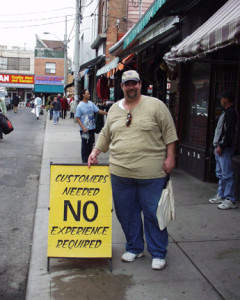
(49,67)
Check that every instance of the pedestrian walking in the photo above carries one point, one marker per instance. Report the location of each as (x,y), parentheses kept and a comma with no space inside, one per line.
(64,107)
(38,105)
(225,144)
(56,110)
(140,135)
(15,103)
(3,110)
(50,107)
(86,120)
(72,107)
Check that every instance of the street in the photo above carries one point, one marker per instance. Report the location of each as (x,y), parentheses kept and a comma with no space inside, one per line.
(20,159)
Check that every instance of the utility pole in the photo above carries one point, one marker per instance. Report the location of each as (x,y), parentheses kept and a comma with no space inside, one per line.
(76,54)
(65,57)
(140,9)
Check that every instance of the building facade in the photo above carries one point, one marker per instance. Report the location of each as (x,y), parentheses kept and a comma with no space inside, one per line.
(187,54)
(17,72)
(110,20)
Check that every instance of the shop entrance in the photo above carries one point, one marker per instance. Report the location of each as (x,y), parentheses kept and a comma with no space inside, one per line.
(225,78)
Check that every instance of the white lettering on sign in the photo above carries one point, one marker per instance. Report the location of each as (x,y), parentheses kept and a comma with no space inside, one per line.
(4,78)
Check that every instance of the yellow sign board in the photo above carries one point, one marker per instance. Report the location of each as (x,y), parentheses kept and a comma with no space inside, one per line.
(80,216)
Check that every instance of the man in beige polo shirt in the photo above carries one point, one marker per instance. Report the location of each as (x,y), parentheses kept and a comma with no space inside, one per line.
(140,136)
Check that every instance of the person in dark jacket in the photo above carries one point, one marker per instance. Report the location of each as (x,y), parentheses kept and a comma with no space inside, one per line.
(15,103)
(225,143)
(56,110)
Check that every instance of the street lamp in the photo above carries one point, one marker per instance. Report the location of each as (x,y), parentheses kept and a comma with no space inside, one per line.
(65,42)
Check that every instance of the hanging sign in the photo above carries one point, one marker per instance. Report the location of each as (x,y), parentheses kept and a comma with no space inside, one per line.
(80,212)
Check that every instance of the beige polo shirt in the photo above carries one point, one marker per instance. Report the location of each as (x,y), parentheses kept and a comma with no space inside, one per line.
(138,151)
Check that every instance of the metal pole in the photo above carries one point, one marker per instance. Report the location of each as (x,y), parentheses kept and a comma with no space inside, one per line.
(76,54)
(65,57)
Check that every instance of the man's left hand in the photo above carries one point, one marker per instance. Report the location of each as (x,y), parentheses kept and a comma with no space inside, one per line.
(169,165)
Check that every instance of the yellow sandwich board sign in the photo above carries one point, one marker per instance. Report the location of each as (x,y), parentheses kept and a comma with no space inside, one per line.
(80,215)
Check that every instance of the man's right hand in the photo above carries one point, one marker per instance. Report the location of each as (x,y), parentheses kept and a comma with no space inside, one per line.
(92,158)
(219,151)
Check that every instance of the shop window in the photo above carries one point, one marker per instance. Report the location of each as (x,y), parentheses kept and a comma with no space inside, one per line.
(103,13)
(50,68)
(195,113)
(225,79)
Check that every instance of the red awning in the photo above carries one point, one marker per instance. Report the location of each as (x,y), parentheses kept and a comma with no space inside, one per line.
(126,60)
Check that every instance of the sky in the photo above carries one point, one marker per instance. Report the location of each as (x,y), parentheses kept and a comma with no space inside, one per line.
(20,21)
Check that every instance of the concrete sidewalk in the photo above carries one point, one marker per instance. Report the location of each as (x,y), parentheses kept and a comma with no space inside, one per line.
(203,255)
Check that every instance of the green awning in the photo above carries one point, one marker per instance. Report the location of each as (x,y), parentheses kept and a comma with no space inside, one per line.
(143,21)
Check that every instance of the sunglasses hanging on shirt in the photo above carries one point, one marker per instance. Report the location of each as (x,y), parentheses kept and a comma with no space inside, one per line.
(129,119)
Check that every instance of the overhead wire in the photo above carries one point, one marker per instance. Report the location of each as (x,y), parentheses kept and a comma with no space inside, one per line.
(33,20)
(31,13)
(34,25)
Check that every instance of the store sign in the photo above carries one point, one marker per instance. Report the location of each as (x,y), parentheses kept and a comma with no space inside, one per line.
(80,212)
(16,79)
(49,80)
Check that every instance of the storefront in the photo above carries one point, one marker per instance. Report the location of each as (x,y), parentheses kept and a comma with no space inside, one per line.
(17,84)
(48,86)
(209,63)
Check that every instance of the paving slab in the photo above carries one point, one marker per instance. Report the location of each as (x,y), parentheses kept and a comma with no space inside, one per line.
(204,223)
(91,279)
(192,193)
(219,262)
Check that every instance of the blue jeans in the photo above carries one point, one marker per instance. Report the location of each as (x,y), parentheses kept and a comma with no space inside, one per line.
(224,172)
(55,116)
(131,197)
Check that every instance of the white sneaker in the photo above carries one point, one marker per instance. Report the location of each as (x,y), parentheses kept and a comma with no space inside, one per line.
(158,263)
(129,256)
(227,204)
(216,199)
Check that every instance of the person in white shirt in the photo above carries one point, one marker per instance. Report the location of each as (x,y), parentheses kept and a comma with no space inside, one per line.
(38,105)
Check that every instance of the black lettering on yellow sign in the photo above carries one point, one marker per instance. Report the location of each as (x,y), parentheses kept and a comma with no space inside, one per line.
(75,191)
(82,178)
(77,215)
(72,230)
(78,244)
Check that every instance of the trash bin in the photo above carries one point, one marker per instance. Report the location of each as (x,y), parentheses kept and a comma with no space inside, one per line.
(236,171)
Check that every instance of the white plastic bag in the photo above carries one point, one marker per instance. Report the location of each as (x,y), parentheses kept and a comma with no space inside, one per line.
(166,206)
(33,111)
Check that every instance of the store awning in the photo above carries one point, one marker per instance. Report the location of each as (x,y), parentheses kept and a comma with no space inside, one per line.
(156,5)
(219,31)
(110,66)
(124,61)
(47,88)
(92,62)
